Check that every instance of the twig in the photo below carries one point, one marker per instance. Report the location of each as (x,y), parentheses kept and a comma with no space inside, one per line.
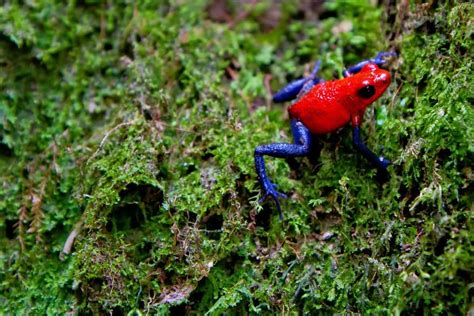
(70,240)
(107,136)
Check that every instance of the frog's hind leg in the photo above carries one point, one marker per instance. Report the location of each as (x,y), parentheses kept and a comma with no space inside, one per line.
(297,88)
(300,147)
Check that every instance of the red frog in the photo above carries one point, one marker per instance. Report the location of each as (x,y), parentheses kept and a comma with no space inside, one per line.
(322,107)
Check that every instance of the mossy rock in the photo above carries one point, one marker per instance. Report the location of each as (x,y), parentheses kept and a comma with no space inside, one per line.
(126,160)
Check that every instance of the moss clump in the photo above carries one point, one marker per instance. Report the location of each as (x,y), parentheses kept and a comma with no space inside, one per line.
(134,126)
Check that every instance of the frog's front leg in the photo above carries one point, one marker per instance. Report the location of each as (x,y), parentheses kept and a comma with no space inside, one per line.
(300,147)
(298,87)
(380,162)
(379,60)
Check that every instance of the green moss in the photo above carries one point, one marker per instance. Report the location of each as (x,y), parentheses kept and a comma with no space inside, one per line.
(134,126)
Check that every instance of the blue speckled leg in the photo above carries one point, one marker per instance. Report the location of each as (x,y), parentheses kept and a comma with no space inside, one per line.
(379,162)
(297,88)
(379,60)
(300,147)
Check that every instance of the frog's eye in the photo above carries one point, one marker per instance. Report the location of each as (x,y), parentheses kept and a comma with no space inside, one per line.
(366,92)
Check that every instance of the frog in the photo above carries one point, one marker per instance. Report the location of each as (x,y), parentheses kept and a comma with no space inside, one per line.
(321,107)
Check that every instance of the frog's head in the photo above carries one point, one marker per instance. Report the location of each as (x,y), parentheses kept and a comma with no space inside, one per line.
(372,83)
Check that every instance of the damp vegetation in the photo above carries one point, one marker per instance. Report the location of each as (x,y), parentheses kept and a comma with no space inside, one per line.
(126,160)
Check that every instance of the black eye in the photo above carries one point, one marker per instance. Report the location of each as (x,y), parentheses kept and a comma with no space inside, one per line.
(366,92)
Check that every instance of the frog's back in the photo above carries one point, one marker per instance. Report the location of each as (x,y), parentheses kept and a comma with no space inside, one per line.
(324,109)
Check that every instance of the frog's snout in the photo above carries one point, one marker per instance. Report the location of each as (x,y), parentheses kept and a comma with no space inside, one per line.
(383,77)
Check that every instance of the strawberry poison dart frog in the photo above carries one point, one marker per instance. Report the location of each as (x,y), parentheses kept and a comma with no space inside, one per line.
(322,107)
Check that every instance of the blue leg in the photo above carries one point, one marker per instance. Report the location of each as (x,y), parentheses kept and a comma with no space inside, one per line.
(300,147)
(379,60)
(379,162)
(294,88)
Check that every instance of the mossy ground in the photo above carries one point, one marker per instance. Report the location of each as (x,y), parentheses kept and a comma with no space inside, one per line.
(135,125)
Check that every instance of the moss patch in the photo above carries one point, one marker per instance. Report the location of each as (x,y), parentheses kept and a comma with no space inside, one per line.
(134,126)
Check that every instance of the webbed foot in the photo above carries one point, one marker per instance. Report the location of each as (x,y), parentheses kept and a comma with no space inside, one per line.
(384,163)
(381,58)
(270,191)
